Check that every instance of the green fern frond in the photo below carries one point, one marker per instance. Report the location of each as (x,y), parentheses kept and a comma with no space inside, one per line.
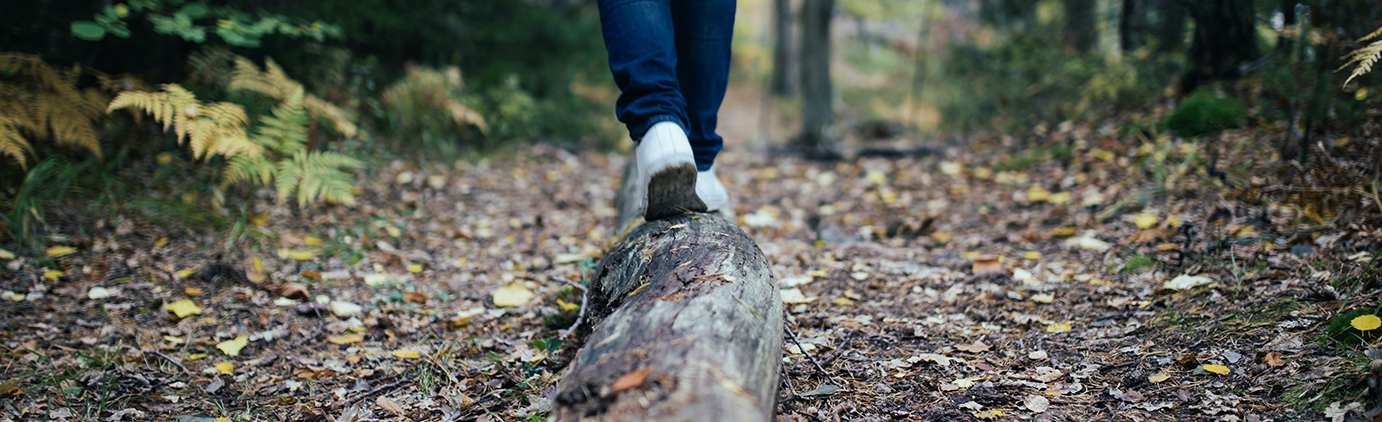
(285,130)
(316,175)
(249,168)
(272,82)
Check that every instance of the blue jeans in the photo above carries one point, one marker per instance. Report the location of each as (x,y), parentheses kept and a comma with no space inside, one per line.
(670,59)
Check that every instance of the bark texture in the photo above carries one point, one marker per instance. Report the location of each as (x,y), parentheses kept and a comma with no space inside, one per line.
(817,108)
(689,328)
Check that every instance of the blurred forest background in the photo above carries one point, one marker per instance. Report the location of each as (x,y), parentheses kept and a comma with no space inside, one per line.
(295,95)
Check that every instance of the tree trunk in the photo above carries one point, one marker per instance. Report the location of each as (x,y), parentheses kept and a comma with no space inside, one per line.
(1129,28)
(1225,40)
(689,328)
(817,110)
(1081,32)
(782,84)
(1170,34)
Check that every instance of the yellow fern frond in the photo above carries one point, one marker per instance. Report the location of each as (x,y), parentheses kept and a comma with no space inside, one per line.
(12,144)
(1364,58)
(272,82)
(209,129)
(43,102)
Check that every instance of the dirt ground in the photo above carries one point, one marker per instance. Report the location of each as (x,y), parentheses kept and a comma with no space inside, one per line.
(1077,277)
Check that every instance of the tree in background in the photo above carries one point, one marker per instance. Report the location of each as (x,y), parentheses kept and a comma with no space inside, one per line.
(782,82)
(817,109)
(1225,41)
(1081,30)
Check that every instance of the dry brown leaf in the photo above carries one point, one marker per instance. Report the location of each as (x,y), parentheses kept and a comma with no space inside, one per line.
(415,297)
(987,263)
(977,347)
(631,380)
(1274,360)
(389,405)
(1036,404)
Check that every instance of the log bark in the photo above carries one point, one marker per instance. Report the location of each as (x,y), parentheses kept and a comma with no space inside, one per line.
(689,328)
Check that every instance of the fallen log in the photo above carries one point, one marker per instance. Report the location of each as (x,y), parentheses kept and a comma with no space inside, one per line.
(689,329)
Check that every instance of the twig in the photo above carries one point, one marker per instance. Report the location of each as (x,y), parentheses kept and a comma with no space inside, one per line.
(374,390)
(585,293)
(174,362)
(819,367)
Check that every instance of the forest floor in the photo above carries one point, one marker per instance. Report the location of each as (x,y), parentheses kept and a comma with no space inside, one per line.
(1082,277)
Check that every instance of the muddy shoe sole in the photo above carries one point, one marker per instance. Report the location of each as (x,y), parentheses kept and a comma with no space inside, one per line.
(672,191)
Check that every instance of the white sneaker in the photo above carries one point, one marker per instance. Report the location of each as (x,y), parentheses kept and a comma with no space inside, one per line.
(709,188)
(667,171)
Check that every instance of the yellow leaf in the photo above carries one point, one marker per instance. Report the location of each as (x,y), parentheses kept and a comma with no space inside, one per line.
(52,274)
(941,236)
(817,273)
(1060,198)
(185,273)
(312,241)
(567,306)
(183,308)
(195,356)
(969,255)
(1063,231)
(226,368)
(1366,322)
(174,340)
(1031,255)
(877,177)
(512,294)
(1038,194)
(1159,377)
(161,242)
(58,251)
(406,354)
(1218,369)
(1173,221)
(345,339)
(4,254)
(232,347)
(393,231)
(295,254)
(1146,221)
(1058,328)
(414,268)
(192,291)
(258,265)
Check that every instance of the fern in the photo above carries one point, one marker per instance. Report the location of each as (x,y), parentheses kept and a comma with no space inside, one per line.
(1364,57)
(210,129)
(313,175)
(39,102)
(275,84)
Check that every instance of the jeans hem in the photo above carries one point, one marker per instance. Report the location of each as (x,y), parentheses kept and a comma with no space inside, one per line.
(637,132)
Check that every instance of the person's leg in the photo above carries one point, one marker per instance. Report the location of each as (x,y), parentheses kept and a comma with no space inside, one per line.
(643,58)
(640,39)
(704,29)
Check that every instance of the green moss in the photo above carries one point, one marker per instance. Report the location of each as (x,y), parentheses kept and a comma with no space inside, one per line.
(1341,328)
(1202,113)
(1132,265)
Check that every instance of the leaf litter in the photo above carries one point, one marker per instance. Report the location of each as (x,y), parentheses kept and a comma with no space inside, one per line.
(952,290)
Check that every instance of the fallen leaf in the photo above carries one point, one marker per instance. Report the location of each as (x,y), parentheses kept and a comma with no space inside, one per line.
(977,347)
(414,268)
(232,347)
(1274,360)
(192,291)
(512,294)
(1058,328)
(161,242)
(795,296)
(345,309)
(1031,255)
(1038,194)
(53,275)
(1145,221)
(389,405)
(406,354)
(5,254)
(567,258)
(415,297)
(1187,281)
(184,273)
(346,338)
(1063,231)
(567,306)
(1159,377)
(226,368)
(950,168)
(97,293)
(60,251)
(805,348)
(183,308)
(296,255)
(987,263)
(1043,298)
(1036,404)
(936,358)
(292,291)
(1088,243)
(1047,374)
(631,380)
(1218,369)
(1366,322)
(822,390)
(312,241)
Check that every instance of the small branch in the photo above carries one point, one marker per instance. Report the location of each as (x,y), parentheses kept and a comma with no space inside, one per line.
(378,389)
(585,295)
(803,351)
(174,362)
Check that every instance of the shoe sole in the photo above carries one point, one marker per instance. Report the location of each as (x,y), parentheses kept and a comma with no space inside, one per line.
(672,191)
